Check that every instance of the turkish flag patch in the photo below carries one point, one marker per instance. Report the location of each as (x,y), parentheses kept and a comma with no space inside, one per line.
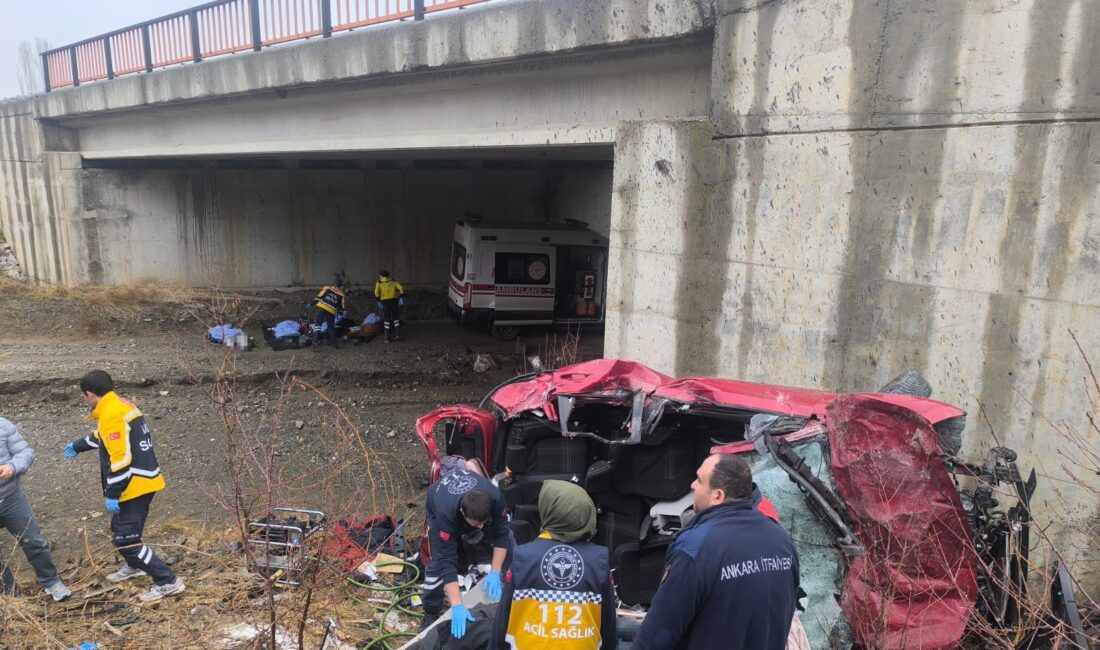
(115,436)
(445,536)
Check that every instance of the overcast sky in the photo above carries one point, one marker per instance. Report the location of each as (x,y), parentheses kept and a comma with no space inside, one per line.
(64,21)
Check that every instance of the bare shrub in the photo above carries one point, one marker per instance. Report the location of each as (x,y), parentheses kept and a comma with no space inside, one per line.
(350,479)
(557,350)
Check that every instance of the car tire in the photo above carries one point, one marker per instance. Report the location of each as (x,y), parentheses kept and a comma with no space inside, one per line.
(506,332)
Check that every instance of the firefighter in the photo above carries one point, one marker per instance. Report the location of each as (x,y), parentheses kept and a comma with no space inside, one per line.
(130,476)
(466,513)
(390,294)
(329,303)
(731,577)
(559,594)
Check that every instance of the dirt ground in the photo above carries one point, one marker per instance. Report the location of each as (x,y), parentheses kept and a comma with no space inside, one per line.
(154,349)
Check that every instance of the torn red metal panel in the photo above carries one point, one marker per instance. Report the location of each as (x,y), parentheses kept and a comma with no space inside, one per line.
(592,378)
(929,409)
(464,417)
(812,428)
(915,586)
(784,400)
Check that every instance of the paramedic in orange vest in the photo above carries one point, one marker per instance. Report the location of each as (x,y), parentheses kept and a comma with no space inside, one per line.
(391,294)
(329,303)
(558,594)
(131,476)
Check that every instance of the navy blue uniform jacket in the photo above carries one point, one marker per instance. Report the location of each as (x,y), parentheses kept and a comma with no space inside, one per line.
(731,582)
(447,525)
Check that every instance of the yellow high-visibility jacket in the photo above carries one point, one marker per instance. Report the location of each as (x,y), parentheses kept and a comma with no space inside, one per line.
(388,289)
(128,467)
(331,299)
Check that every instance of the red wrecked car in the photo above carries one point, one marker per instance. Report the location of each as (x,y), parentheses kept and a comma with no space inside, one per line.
(864,482)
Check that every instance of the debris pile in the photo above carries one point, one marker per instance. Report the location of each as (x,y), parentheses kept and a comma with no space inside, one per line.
(9,265)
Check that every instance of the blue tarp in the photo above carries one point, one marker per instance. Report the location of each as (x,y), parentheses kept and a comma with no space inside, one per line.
(287,329)
(219,332)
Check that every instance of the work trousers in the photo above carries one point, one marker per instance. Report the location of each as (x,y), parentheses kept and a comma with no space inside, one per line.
(391,318)
(127,527)
(479,553)
(324,318)
(17,516)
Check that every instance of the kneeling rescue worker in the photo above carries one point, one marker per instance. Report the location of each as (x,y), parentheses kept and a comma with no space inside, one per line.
(560,593)
(329,303)
(464,511)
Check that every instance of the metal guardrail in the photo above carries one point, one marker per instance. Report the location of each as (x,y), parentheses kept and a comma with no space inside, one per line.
(221,27)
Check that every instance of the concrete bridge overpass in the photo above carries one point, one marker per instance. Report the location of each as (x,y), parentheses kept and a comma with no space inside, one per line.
(355,152)
(818,192)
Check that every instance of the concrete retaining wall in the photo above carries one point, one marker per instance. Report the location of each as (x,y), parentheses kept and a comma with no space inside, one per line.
(882,186)
(280,227)
(27,214)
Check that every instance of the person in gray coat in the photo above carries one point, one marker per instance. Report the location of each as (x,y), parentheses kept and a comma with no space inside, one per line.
(16,514)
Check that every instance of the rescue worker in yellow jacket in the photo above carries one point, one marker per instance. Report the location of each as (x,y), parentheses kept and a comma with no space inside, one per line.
(558,595)
(330,301)
(391,294)
(130,476)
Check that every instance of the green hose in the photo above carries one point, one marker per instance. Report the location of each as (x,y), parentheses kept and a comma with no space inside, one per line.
(384,588)
(386,637)
(395,605)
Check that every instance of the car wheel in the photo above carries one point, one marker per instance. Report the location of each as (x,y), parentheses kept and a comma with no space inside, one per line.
(506,332)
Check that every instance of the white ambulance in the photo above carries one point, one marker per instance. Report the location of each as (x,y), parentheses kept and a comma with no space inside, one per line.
(512,275)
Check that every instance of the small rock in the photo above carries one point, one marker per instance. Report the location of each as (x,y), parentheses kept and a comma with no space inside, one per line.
(163,393)
(391,433)
(298,424)
(483,363)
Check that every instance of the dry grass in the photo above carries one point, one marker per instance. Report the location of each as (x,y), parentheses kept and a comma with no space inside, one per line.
(115,296)
(121,296)
(220,593)
(99,308)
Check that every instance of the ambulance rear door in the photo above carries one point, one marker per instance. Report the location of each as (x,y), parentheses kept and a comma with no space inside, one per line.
(524,284)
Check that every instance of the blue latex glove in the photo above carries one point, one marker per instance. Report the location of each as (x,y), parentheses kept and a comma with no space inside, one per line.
(401,302)
(70,453)
(491,585)
(459,617)
(112,506)
(379,305)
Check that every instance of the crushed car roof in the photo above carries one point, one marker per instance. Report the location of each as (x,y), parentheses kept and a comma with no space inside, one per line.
(613,378)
